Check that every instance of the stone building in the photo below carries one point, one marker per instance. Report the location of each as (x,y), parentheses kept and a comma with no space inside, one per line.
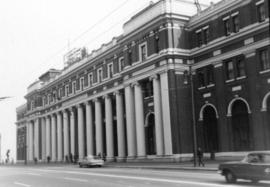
(173,76)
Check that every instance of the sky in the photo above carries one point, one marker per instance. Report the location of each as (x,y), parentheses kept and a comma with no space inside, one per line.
(35,35)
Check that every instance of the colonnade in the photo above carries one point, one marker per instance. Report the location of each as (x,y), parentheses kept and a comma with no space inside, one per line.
(87,128)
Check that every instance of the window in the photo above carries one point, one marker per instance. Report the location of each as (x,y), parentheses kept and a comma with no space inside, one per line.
(199,38)
(90,79)
(81,83)
(205,36)
(230,70)
(121,64)
(227,27)
(99,75)
(66,90)
(74,87)
(143,52)
(261,12)
(157,47)
(235,21)
(110,70)
(240,68)
(264,59)
(205,76)
(130,57)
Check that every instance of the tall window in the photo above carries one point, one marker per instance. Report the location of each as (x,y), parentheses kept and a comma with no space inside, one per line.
(199,38)
(143,53)
(227,30)
(66,90)
(157,47)
(130,57)
(90,79)
(206,35)
(264,59)
(235,21)
(99,75)
(240,68)
(121,64)
(261,12)
(81,83)
(230,70)
(110,70)
(74,87)
(201,79)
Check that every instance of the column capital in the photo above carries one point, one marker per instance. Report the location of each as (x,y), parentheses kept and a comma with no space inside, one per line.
(87,103)
(152,77)
(135,84)
(118,92)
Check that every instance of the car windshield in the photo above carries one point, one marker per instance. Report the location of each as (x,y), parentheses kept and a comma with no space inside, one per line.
(257,158)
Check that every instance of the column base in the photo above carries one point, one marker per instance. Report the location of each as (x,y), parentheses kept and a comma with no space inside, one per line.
(120,159)
(110,159)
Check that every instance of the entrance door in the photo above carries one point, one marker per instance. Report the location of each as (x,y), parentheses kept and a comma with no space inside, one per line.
(240,126)
(210,131)
(150,135)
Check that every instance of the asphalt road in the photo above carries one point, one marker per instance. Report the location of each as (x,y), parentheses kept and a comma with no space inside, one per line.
(72,176)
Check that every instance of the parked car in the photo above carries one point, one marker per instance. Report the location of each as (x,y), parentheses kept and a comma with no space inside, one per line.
(255,167)
(90,161)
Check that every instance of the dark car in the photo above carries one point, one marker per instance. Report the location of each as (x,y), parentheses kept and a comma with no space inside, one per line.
(255,167)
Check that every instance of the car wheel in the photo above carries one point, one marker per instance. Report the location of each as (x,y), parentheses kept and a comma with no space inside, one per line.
(230,178)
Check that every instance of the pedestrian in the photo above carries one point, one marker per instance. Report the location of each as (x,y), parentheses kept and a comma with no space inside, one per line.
(200,156)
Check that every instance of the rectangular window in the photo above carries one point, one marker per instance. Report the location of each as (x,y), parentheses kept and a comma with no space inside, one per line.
(240,68)
(157,48)
(110,70)
(99,75)
(235,20)
(121,64)
(261,12)
(74,87)
(264,59)
(205,36)
(209,76)
(143,52)
(230,70)
(90,79)
(66,90)
(81,83)
(199,39)
(227,30)
(201,79)
(130,57)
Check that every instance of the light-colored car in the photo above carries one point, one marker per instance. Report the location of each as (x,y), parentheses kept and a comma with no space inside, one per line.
(90,161)
(255,167)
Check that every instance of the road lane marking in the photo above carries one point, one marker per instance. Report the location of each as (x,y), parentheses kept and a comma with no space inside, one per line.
(76,179)
(141,178)
(35,174)
(21,184)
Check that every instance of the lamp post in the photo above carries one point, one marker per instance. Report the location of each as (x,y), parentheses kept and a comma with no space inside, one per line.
(189,78)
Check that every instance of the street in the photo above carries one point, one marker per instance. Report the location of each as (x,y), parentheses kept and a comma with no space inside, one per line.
(71,175)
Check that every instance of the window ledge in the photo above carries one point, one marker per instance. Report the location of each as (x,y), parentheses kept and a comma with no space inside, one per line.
(231,80)
(201,88)
(265,71)
(210,85)
(242,77)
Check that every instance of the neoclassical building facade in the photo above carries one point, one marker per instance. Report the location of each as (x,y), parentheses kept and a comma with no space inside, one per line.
(175,75)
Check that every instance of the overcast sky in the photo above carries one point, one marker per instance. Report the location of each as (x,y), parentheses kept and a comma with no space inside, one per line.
(34,36)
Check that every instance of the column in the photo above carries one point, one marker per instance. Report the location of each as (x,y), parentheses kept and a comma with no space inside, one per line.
(48,137)
(120,126)
(59,137)
(43,139)
(80,131)
(99,127)
(158,116)
(72,132)
(139,120)
(36,139)
(130,118)
(66,135)
(30,146)
(166,115)
(53,134)
(89,129)
(109,128)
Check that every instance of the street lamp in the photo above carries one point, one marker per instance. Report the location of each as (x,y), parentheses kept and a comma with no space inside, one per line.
(188,77)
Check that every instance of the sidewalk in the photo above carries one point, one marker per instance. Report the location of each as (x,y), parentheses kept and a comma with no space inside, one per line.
(209,165)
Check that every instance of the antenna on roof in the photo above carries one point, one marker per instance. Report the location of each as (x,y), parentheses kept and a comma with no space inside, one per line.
(196,2)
